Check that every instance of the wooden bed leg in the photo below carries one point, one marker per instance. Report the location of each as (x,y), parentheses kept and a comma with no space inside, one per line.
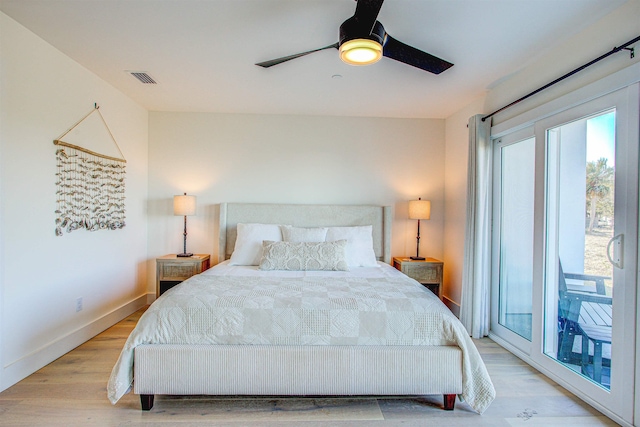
(449,402)
(147,401)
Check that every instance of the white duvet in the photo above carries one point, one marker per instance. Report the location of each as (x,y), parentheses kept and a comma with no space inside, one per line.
(243,305)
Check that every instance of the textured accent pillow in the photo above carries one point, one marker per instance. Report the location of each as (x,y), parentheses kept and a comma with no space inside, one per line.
(300,234)
(359,251)
(304,256)
(248,248)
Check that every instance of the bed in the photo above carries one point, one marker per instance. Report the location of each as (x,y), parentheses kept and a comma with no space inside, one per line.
(288,329)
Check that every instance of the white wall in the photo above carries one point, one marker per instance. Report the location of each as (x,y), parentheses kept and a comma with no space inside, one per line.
(291,159)
(43,94)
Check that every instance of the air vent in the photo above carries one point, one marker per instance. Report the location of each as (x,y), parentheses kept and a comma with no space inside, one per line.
(143,77)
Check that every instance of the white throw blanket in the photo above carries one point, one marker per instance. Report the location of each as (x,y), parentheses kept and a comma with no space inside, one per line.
(317,310)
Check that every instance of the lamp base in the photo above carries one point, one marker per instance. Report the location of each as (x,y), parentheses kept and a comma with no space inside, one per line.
(417,258)
(184,255)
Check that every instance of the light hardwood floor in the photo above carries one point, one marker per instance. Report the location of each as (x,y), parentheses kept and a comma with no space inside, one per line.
(71,391)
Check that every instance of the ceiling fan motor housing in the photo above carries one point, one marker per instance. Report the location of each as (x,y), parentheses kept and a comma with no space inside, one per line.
(352,29)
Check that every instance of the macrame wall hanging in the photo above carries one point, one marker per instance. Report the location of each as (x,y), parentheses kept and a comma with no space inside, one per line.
(90,186)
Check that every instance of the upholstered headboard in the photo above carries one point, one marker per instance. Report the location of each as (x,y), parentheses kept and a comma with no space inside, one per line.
(306,216)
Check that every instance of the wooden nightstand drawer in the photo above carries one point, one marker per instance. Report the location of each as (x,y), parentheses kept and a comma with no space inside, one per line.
(424,273)
(171,270)
(177,271)
(428,272)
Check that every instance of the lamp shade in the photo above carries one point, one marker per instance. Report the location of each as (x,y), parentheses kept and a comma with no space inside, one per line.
(419,209)
(184,205)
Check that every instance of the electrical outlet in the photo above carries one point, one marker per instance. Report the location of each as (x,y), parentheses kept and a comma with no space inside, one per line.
(79,304)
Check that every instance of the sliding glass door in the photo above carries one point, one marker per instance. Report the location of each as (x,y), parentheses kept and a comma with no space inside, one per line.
(565,247)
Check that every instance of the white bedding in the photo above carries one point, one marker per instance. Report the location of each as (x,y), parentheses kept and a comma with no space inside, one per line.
(243,305)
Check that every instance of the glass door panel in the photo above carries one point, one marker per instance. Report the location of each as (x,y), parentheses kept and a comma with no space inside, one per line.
(580,188)
(515,270)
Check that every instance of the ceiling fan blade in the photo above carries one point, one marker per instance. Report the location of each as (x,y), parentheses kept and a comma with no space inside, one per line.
(272,62)
(399,51)
(366,14)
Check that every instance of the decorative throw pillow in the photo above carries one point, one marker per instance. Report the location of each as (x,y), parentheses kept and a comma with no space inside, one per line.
(248,248)
(300,234)
(359,251)
(304,256)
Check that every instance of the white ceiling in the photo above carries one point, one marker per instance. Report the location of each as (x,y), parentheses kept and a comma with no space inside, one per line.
(202,52)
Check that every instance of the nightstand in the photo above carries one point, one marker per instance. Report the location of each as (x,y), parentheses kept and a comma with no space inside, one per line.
(427,272)
(171,270)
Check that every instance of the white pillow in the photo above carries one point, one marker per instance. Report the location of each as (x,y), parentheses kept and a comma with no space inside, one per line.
(299,234)
(248,248)
(304,256)
(359,251)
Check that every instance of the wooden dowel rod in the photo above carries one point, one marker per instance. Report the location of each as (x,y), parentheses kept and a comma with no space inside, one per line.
(84,150)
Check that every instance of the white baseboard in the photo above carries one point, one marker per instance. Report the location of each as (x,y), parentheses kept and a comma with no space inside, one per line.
(27,365)
(151,297)
(452,305)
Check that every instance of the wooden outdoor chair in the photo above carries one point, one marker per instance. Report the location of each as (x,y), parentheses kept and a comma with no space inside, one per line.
(583,310)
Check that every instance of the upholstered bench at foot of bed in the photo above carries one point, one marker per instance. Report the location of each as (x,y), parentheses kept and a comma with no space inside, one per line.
(297,371)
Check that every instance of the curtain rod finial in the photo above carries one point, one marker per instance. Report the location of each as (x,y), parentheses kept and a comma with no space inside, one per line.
(632,52)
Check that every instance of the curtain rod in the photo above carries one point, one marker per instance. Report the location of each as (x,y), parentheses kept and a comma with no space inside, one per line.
(569,74)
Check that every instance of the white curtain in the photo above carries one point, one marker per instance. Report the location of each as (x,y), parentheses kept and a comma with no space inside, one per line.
(476,275)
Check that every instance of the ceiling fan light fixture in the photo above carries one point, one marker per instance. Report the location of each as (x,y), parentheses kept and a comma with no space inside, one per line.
(360,51)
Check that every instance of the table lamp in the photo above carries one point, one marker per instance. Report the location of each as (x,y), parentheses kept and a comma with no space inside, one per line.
(184,206)
(419,209)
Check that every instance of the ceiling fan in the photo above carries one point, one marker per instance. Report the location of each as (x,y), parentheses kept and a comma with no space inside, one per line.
(363,41)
